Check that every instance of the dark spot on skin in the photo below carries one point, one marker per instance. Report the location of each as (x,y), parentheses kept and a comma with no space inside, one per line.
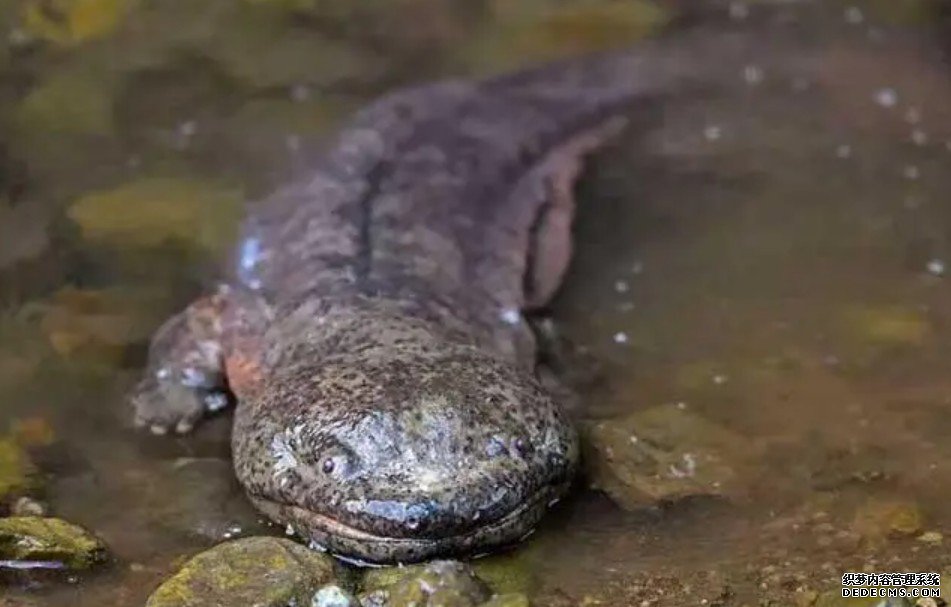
(328,465)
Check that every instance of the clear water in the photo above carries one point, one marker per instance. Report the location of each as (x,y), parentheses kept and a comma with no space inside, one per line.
(775,254)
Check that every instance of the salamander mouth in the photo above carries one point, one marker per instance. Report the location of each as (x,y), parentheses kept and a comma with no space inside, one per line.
(367,548)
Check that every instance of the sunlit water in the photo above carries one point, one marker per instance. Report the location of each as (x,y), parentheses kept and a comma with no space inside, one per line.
(773,253)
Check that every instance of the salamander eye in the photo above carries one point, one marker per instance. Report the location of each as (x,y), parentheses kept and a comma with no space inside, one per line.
(338,464)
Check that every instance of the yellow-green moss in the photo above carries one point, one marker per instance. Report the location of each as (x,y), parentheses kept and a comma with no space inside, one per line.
(523,32)
(68,22)
(152,211)
(49,539)
(262,571)
(16,469)
(71,101)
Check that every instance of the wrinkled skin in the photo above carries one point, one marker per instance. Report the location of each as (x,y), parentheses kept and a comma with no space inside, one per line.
(373,331)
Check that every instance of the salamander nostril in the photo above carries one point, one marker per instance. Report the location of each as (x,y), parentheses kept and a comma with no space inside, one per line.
(522,446)
(413,523)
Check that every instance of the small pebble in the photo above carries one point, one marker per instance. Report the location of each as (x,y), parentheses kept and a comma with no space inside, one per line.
(739,11)
(935,267)
(620,337)
(712,133)
(919,137)
(333,596)
(853,15)
(931,537)
(300,93)
(753,74)
(621,286)
(843,151)
(27,506)
(886,97)
(911,172)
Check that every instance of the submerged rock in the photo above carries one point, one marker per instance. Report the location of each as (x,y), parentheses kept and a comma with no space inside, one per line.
(508,600)
(542,29)
(37,539)
(98,325)
(664,453)
(878,519)
(834,599)
(73,101)
(17,472)
(332,595)
(260,571)
(434,584)
(68,22)
(152,211)
(508,573)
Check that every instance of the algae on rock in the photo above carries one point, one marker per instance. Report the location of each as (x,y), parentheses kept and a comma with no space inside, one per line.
(152,211)
(29,538)
(261,571)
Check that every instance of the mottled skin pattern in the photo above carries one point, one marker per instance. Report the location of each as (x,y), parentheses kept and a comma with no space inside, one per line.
(373,333)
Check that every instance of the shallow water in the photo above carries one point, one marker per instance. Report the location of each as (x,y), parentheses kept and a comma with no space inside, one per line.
(770,254)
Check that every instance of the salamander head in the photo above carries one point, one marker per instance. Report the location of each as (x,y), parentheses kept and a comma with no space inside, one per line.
(398,454)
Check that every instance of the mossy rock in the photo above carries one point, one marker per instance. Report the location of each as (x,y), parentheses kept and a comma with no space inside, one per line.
(260,571)
(75,100)
(17,472)
(261,49)
(67,22)
(537,30)
(508,573)
(152,211)
(434,584)
(514,599)
(29,538)
(98,326)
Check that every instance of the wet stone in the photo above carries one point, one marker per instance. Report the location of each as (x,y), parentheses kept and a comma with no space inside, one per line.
(878,519)
(508,600)
(198,497)
(508,573)
(332,595)
(49,540)
(542,29)
(435,584)
(260,571)
(834,599)
(153,211)
(67,22)
(17,472)
(99,325)
(664,453)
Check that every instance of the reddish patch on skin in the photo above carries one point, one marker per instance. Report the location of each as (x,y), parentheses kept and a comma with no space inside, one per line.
(245,376)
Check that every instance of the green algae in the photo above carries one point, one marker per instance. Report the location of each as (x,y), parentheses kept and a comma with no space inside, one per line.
(152,211)
(68,22)
(32,538)
(538,30)
(262,571)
